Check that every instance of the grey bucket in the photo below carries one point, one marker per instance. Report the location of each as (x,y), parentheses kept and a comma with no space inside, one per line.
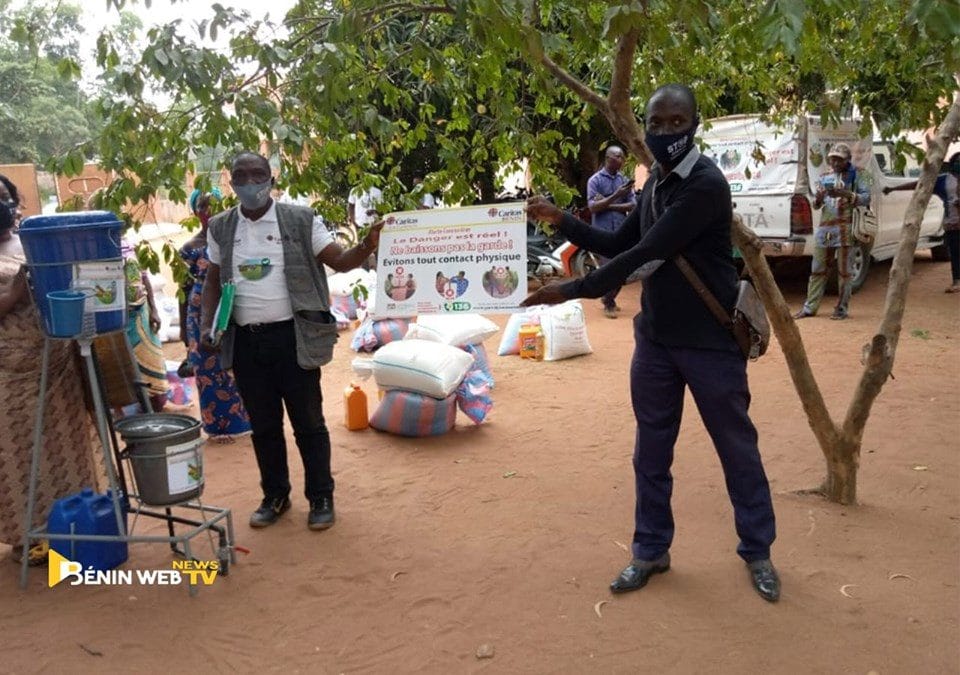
(164,452)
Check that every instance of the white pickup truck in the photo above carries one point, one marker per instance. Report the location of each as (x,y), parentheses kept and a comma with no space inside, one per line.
(773,172)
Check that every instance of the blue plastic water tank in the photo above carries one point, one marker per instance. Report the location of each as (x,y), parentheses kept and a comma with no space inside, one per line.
(55,244)
(87,513)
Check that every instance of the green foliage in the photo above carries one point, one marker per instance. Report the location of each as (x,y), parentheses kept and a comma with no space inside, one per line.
(355,93)
(44,112)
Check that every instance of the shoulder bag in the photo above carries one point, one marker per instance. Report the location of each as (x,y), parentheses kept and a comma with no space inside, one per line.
(748,321)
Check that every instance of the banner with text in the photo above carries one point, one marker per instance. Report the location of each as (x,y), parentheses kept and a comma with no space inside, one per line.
(464,260)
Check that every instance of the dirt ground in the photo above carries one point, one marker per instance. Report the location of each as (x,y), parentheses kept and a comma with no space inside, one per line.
(507,535)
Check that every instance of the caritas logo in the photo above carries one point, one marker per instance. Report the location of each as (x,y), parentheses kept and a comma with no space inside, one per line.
(391,220)
(506,215)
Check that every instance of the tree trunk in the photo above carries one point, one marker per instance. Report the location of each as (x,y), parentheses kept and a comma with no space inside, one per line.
(843,461)
(841,444)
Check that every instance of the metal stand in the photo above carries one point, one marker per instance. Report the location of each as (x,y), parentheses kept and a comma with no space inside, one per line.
(123,500)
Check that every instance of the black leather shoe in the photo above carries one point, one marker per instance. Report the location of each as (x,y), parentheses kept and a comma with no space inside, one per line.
(270,511)
(638,573)
(321,514)
(765,579)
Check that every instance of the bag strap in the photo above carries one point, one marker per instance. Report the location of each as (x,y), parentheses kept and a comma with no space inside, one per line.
(708,298)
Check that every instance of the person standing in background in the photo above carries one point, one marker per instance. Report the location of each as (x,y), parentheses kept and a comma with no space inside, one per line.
(610,199)
(362,207)
(947,188)
(838,194)
(221,408)
(68,458)
(427,200)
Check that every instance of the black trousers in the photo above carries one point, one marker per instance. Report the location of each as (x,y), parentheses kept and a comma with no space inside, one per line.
(269,379)
(952,239)
(718,381)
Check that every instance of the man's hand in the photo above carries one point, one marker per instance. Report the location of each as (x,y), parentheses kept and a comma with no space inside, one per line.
(887,190)
(154,321)
(538,208)
(551,294)
(372,240)
(624,189)
(206,344)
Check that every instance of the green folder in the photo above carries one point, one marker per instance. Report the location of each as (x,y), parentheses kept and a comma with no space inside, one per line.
(221,319)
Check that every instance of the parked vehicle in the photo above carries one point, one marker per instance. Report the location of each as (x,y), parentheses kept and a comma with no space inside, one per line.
(773,173)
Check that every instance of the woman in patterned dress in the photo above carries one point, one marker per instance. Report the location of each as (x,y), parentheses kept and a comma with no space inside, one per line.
(221,408)
(67,458)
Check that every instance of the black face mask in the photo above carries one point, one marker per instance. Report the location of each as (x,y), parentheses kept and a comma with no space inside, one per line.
(667,149)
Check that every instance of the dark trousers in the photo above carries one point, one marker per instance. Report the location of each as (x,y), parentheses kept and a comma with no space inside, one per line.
(952,240)
(718,383)
(265,366)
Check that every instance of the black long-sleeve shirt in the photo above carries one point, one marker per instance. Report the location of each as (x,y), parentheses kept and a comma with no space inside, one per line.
(693,213)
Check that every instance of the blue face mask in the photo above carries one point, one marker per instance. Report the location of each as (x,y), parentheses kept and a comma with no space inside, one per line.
(253,196)
(667,149)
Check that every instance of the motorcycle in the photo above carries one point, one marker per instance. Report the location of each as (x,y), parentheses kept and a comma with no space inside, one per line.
(550,256)
(543,262)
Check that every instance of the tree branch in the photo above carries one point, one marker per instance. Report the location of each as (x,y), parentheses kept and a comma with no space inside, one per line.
(445,8)
(622,77)
(586,94)
(622,117)
(880,353)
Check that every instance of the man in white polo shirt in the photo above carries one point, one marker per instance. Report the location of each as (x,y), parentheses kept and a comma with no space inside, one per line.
(281,329)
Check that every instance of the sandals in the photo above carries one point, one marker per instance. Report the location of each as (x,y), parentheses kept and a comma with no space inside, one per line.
(37,556)
(955,288)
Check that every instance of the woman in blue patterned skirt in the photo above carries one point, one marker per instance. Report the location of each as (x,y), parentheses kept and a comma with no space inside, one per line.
(221,408)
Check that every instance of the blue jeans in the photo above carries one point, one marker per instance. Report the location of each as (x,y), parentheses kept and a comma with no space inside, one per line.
(718,382)
(265,366)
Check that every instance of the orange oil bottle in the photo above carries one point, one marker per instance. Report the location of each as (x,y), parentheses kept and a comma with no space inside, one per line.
(531,342)
(355,415)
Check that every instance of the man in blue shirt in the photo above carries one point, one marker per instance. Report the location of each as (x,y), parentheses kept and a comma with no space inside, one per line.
(610,199)
(685,208)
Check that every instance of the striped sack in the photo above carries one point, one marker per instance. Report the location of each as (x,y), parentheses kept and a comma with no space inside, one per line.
(481,361)
(344,305)
(473,395)
(372,334)
(410,414)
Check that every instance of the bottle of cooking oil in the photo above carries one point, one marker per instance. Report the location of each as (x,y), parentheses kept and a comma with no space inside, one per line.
(531,342)
(355,408)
